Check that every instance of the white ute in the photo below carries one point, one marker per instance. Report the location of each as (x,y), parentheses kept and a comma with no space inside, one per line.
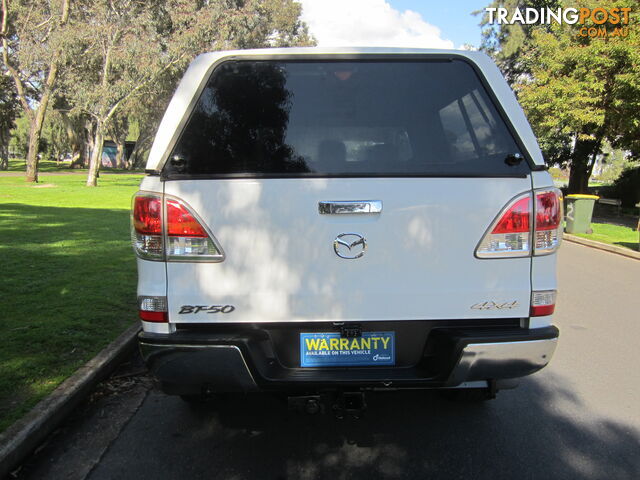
(343,220)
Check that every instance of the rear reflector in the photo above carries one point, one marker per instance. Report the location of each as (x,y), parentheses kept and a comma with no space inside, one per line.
(543,302)
(522,223)
(182,236)
(153,316)
(153,309)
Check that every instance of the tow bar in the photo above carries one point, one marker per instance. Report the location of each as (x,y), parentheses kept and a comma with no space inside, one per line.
(349,404)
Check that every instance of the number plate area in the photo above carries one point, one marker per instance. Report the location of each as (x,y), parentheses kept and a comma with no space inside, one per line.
(331,350)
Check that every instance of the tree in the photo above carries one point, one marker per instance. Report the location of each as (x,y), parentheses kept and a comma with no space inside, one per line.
(582,92)
(77,127)
(504,41)
(33,43)
(128,50)
(577,91)
(8,113)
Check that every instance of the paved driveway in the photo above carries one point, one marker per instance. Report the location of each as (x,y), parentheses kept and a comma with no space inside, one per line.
(579,418)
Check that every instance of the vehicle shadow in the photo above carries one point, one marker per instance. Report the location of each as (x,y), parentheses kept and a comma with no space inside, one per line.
(539,430)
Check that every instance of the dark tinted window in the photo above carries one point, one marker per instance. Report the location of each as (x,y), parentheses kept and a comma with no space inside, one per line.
(344,118)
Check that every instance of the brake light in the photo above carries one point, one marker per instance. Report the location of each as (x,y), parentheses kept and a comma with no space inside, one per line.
(153,309)
(180,221)
(516,218)
(543,302)
(520,224)
(147,214)
(182,236)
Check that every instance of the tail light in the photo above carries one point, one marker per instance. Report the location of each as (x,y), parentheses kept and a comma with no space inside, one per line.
(152,309)
(170,230)
(543,302)
(146,226)
(511,233)
(548,226)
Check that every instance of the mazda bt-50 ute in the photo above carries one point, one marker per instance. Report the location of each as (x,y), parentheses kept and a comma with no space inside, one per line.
(344,220)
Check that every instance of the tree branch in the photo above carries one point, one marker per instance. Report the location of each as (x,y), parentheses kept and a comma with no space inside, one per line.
(22,94)
(140,85)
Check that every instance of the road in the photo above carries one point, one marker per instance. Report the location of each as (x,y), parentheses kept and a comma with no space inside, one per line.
(578,418)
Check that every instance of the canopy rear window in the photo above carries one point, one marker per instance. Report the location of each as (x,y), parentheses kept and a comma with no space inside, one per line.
(337,118)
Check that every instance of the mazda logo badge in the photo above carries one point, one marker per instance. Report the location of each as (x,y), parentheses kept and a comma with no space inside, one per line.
(349,245)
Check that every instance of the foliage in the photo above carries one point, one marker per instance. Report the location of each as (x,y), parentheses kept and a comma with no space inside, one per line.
(578,92)
(558,173)
(121,60)
(504,42)
(20,135)
(128,52)
(615,162)
(53,142)
(8,112)
(34,41)
(627,186)
(49,231)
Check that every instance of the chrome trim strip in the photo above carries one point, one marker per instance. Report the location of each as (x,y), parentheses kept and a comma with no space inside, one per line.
(353,206)
(487,360)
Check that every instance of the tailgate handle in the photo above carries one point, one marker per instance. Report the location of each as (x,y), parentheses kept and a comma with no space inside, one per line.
(356,206)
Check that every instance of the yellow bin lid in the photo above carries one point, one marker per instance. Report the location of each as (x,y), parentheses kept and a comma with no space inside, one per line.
(581,195)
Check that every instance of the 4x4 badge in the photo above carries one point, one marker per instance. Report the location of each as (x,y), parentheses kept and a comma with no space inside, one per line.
(349,245)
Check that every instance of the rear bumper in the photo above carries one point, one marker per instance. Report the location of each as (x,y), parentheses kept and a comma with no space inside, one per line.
(246,360)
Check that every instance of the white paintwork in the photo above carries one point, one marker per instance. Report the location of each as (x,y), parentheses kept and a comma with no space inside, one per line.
(542,180)
(543,268)
(280,264)
(151,184)
(198,73)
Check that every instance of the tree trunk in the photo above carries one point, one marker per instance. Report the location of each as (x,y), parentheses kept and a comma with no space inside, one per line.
(35,131)
(73,136)
(143,144)
(4,148)
(578,178)
(120,154)
(96,156)
(36,116)
(582,163)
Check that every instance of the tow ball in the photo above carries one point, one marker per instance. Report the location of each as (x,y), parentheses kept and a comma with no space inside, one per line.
(341,404)
(350,404)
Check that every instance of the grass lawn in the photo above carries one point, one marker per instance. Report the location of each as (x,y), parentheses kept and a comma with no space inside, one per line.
(67,281)
(612,234)
(44,166)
